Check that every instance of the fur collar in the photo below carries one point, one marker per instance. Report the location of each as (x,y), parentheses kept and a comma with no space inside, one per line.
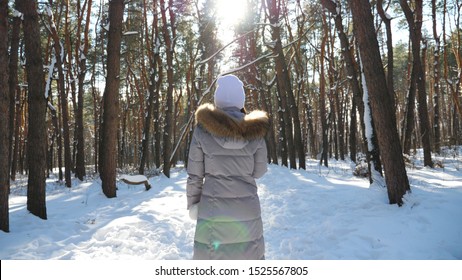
(218,123)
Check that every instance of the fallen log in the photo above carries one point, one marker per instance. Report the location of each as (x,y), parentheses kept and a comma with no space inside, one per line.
(136,180)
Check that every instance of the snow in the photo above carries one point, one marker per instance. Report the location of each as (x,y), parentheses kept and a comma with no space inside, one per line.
(134,178)
(106,27)
(49,12)
(376,177)
(16,13)
(367,110)
(51,106)
(128,33)
(315,214)
(51,68)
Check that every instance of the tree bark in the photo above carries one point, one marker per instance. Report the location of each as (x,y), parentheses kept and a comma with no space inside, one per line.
(64,106)
(353,129)
(414,19)
(264,97)
(350,67)
(322,99)
(408,125)
(111,100)
(153,56)
(15,97)
(290,107)
(81,56)
(390,64)
(282,135)
(436,83)
(382,107)
(16,158)
(4,120)
(37,132)
(169,44)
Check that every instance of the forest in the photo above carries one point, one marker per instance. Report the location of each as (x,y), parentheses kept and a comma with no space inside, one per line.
(110,87)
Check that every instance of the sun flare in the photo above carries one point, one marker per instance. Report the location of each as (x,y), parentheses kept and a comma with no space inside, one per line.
(230,12)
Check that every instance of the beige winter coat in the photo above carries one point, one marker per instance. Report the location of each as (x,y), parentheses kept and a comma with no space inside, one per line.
(227,153)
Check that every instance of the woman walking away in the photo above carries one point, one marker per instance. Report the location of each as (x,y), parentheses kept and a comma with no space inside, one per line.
(227,153)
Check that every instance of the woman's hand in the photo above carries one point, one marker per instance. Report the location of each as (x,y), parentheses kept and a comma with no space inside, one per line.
(193,211)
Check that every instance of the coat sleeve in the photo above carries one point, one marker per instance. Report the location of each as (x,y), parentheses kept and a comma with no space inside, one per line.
(260,160)
(195,170)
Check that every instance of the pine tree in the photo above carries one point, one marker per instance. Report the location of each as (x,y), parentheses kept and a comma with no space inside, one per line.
(4,120)
(382,109)
(37,133)
(111,100)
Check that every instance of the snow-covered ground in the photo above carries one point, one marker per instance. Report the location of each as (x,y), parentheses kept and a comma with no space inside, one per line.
(314,214)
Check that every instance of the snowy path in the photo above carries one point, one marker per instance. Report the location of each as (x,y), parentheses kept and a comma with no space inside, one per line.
(315,214)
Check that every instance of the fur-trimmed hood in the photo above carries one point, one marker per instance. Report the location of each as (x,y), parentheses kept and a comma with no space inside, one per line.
(218,123)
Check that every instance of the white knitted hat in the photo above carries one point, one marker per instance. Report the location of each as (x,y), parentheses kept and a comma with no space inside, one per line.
(229,92)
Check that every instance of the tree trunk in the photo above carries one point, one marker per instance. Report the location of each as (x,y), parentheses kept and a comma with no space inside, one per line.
(169,44)
(310,135)
(340,125)
(153,54)
(290,108)
(322,99)
(372,154)
(157,97)
(147,124)
(408,126)
(81,56)
(4,120)
(390,64)
(285,141)
(123,132)
(311,115)
(64,106)
(23,143)
(56,135)
(111,100)
(20,103)
(157,119)
(15,97)
(264,96)
(96,118)
(436,83)
(382,107)
(353,129)
(414,20)
(37,134)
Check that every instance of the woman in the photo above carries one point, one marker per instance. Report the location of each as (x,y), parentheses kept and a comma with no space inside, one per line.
(227,153)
